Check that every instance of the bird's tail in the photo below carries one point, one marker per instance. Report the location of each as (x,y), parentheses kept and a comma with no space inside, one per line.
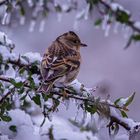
(45,87)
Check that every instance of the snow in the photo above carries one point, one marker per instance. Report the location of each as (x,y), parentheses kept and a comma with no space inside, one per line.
(116,27)
(75,25)
(6,18)
(42,25)
(33,57)
(79,88)
(65,7)
(87,11)
(59,16)
(32,25)
(29,128)
(116,6)
(24,126)
(61,129)
(5,40)
(6,54)
(137,24)
(131,123)
(80,14)
(107,30)
(22,20)
(30,3)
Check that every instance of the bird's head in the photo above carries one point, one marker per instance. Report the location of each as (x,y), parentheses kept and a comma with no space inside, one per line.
(71,39)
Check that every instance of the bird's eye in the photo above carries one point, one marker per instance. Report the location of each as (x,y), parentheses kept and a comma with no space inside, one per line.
(75,41)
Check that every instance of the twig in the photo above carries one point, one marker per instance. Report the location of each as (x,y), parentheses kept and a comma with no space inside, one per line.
(71,95)
(6,95)
(130,23)
(3,2)
(116,120)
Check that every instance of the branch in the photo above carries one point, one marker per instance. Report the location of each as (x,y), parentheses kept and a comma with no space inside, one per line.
(113,117)
(3,2)
(107,6)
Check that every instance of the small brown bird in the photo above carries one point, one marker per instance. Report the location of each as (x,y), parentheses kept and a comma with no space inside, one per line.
(61,62)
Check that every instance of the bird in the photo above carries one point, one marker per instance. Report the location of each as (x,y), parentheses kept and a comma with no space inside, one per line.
(61,61)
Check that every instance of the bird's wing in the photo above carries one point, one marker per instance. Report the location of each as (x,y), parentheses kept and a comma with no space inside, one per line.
(58,67)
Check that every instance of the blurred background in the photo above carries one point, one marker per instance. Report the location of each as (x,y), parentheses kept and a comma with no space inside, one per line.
(104,62)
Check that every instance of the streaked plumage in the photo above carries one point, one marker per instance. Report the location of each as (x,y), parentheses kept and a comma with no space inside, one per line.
(61,61)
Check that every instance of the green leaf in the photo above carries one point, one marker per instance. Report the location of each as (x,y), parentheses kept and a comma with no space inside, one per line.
(21,71)
(6,67)
(37,100)
(116,102)
(13,128)
(22,11)
(136,37)
(58,8)
(98,22)
(122,16)
(23,97)
(6,118)
(130,99)
(16,84)
(1,59)
(25,58)
(129,42)
(124,114)
(91,108)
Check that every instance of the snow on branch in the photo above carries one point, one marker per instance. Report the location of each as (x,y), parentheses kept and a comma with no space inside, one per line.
(112,12)
(20,79)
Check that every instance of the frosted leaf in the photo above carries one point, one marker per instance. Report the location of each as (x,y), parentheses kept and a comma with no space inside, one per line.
(2,37)
(116,6)
(33,57)
(65,7)
(19,79)
(6,54)
(4,137)
(42,25)
(87,11)
(32,26)
(67,104)
(127,32)
(5,41)
(36,79)
(16,100)
(80,14)
(41,2)
(30,3)
(107,30)
(56,3)
(137,24)
(22,20)
(116,27)
(105,22)
(76,25)
(59,16)
(6,18)
(76,115)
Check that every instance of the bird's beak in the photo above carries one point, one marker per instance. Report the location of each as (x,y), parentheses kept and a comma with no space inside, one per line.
(83,45)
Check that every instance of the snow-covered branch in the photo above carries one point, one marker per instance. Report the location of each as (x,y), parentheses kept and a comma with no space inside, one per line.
(20,79)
